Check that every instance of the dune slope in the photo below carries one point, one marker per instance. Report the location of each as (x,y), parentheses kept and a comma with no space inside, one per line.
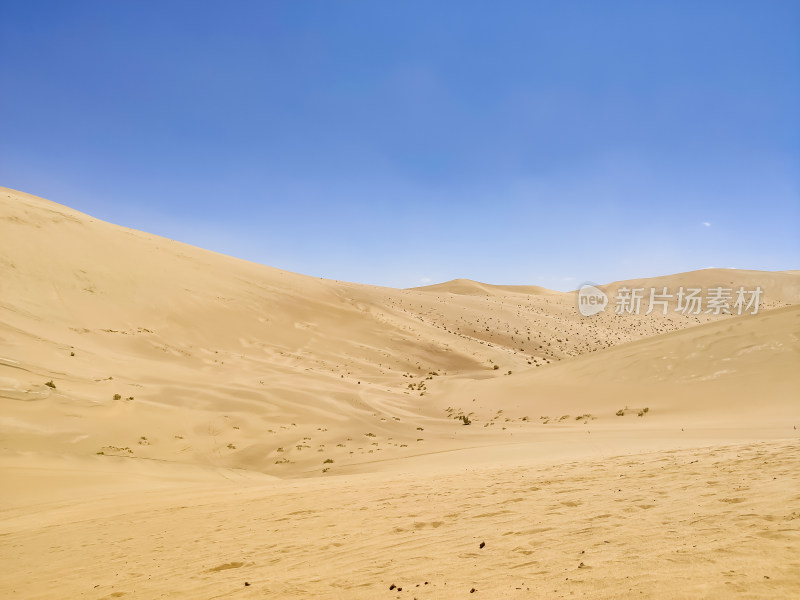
(180,423)
(158,350)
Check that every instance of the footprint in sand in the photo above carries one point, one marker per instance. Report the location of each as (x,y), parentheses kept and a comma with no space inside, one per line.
(226,566)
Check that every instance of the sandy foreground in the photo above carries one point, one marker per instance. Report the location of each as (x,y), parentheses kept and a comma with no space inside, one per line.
(716,522)
(178,423)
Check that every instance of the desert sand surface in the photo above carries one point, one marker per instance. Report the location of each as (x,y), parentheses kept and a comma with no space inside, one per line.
(179,423)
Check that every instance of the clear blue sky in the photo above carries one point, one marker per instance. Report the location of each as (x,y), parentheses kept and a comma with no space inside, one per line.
(394,143)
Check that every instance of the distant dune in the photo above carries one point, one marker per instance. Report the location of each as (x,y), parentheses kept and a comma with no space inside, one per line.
(779,286)
(325,429)
(467,287)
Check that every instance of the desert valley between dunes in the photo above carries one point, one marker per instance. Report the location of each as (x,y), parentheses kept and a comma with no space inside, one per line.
(178,423)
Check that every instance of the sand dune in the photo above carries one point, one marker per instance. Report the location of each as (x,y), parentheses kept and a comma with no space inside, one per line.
(467,287)
(143,379)
(780,286)
(725,370)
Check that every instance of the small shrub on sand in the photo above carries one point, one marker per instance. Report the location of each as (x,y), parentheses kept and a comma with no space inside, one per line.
(117,397)
(50,384)
(327,460)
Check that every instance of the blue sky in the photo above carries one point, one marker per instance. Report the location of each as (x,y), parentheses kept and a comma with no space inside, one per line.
(397,143)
